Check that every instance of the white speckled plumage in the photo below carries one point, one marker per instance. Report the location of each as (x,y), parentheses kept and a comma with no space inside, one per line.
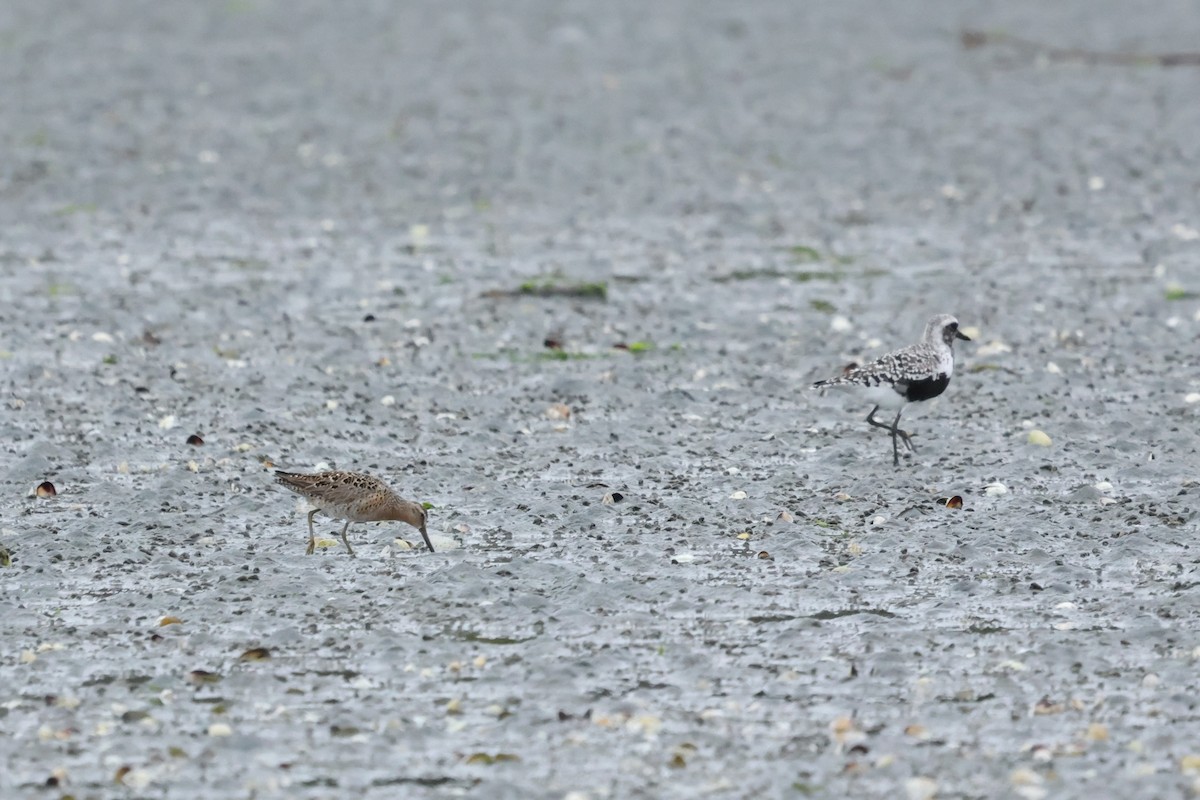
(918,372)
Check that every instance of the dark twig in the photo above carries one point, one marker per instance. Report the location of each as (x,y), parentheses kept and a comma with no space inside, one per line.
(972,39)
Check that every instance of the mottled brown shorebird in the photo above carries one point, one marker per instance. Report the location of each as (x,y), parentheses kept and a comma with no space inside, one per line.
(354,497)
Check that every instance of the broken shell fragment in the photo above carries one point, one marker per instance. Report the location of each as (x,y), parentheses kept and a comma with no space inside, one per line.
(199,677)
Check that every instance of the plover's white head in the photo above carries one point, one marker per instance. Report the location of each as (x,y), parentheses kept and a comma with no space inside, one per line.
(944,328)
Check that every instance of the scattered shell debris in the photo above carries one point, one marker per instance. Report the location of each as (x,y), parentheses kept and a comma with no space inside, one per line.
(992,348)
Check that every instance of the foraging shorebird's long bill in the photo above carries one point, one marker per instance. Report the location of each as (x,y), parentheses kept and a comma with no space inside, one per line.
(919,372)
(354,497)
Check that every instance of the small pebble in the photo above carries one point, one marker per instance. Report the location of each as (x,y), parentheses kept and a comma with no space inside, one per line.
(418,235)
(992,348)
(1184,232)
(995,489)
(921,788)
(1039,438)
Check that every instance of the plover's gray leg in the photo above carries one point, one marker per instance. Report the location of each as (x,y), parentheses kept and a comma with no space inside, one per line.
(905,436)
(895,431)
(312,537)
(346,541)
(890,429)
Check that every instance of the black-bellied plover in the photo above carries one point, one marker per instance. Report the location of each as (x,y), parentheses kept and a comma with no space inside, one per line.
(354,497)
(918,372)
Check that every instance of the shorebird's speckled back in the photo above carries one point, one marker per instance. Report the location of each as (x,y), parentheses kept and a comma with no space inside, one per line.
(932,357)
(355,497)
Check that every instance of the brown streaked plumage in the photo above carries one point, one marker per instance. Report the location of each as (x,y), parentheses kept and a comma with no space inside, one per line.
(354,497)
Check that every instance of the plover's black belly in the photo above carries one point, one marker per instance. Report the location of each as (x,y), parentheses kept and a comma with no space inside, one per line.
(926,388)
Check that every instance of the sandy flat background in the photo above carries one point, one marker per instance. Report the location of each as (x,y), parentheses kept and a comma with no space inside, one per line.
(326,237)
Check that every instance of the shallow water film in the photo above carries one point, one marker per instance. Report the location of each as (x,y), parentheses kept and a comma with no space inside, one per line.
(565,272)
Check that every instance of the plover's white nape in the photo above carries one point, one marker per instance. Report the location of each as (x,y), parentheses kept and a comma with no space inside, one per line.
(354,497)
(918,372)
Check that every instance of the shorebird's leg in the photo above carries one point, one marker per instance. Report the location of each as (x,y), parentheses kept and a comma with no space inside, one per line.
(890,429)
(346,541)
(312,537)
(872,421)
(905,436)
(895,449)
(895,431)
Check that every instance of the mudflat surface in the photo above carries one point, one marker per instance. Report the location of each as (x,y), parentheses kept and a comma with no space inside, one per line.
(315,237)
